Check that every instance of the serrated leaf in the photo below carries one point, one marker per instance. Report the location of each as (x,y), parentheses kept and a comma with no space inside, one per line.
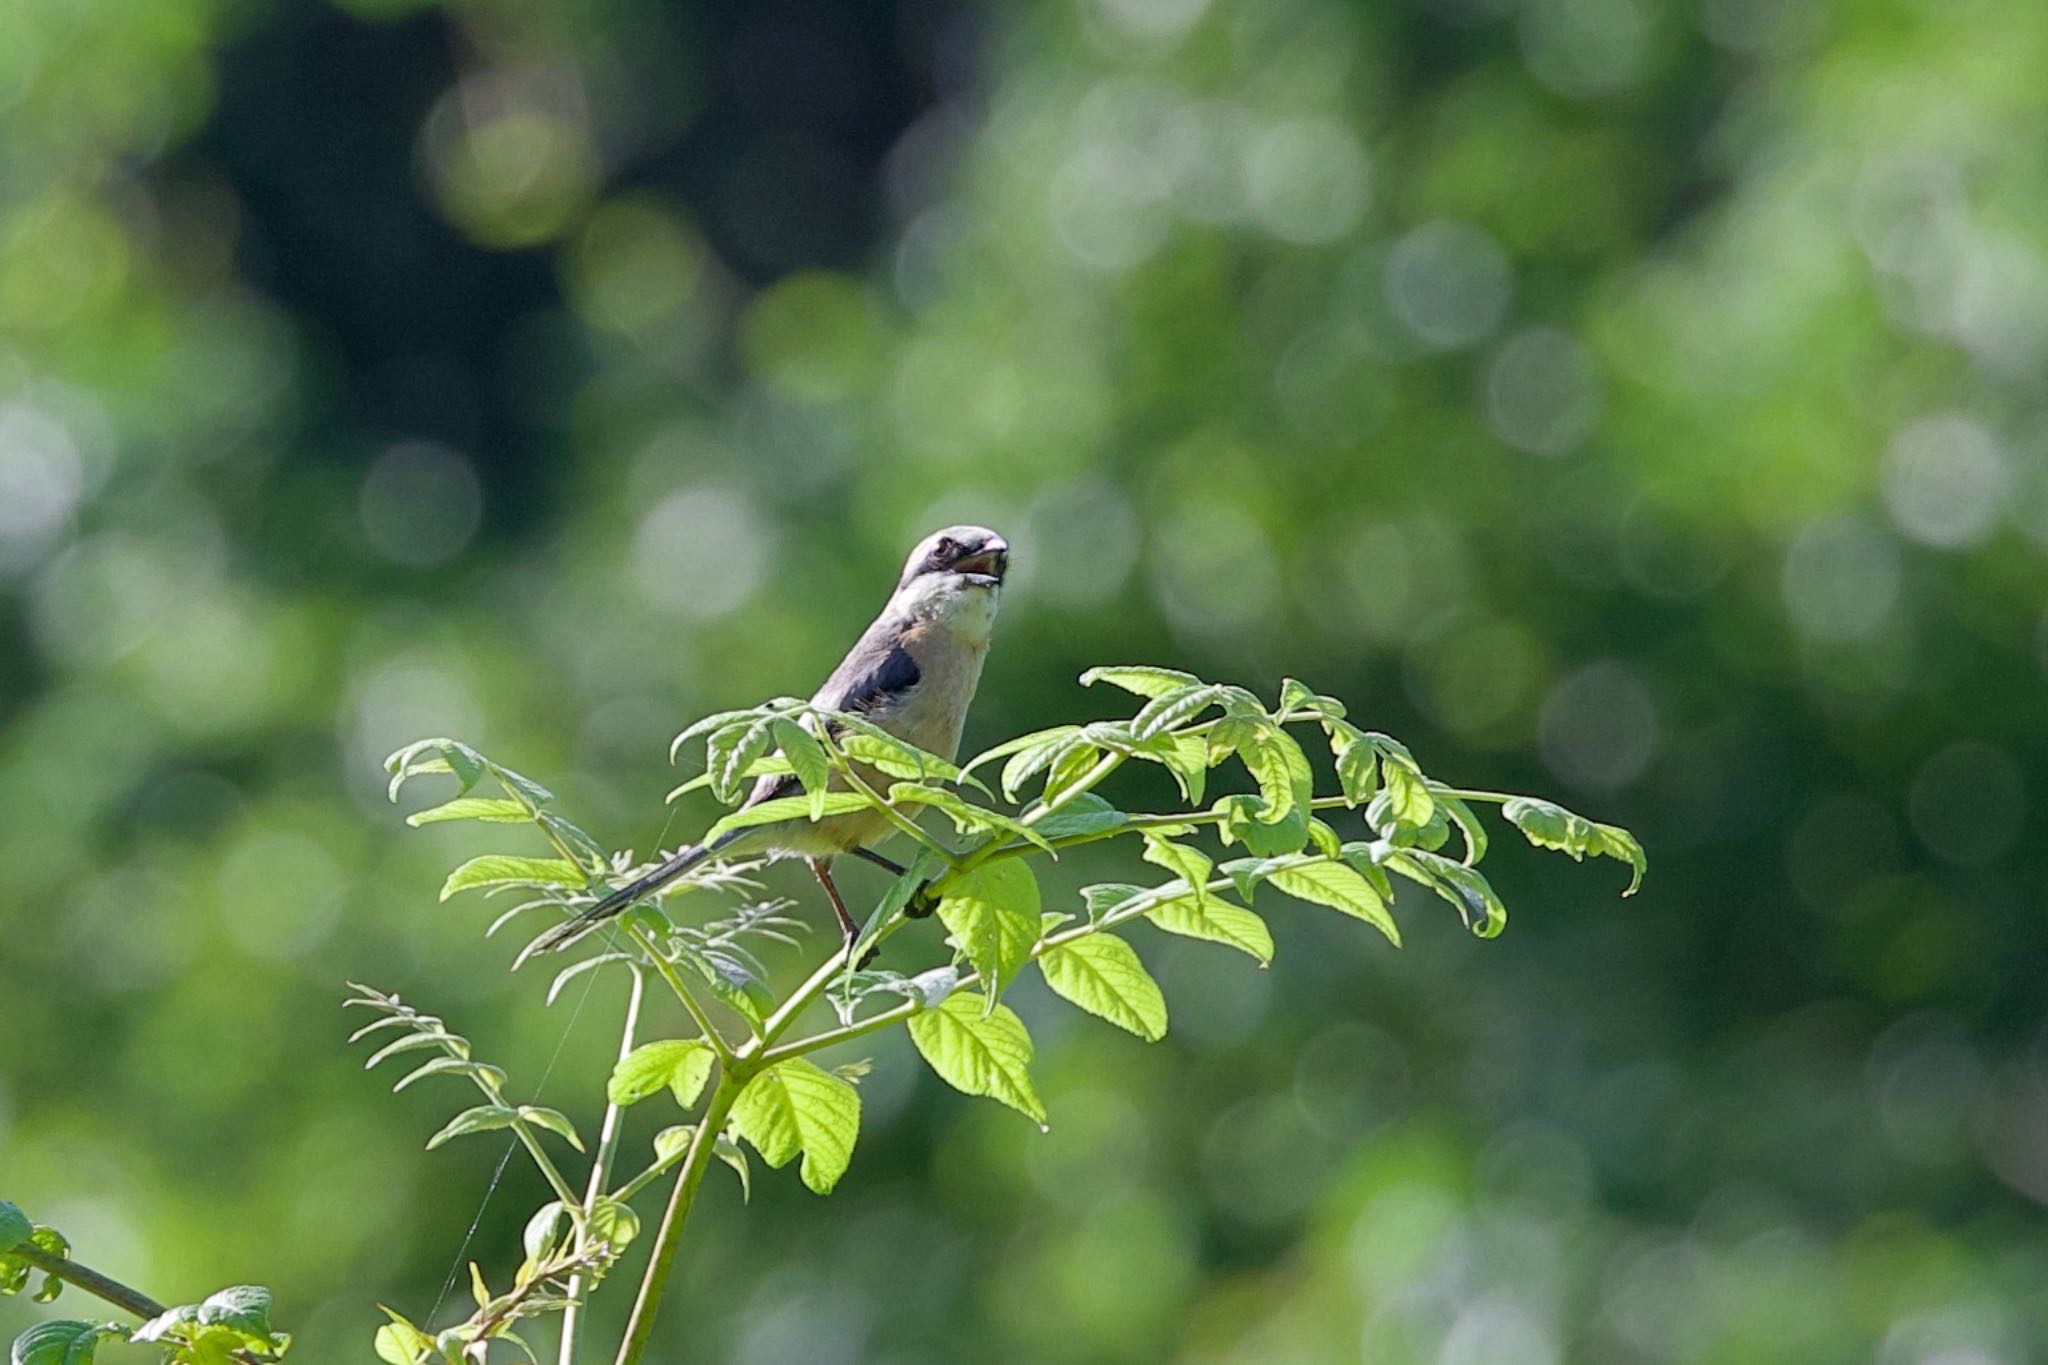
(979,1050)
(1407,795)
(1020,743)
(787,808)
(807,760)
(1172,709)
(1068,773)
(503,869)
(1102,974)
(1280,768)
(992,914)
(1217,921)
(1030,760)
(798,1106)
(482,1119)
(716,721)
(1338,886)
(731,751)
(1143,680)
(1549,825)
(682,1065)
(1191,865)
(1357,762)
(1086,814)
(967,817)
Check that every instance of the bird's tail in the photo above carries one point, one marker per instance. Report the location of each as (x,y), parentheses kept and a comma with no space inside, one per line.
(619,901)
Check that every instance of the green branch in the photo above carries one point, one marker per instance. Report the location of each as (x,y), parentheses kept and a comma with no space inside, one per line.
(641,1324)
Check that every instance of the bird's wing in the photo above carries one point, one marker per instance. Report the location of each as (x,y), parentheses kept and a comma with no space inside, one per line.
(874,679)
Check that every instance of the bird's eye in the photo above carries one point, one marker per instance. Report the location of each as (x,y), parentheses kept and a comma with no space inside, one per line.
(944,551)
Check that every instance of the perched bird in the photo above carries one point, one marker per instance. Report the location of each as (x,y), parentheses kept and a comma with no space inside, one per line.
(912,673)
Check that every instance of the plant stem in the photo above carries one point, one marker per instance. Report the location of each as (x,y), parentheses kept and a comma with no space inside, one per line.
(91,1281)
(641,1325)
(600,1175)
(682,989)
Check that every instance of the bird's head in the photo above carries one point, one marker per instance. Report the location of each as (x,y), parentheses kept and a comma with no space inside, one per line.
(954,575)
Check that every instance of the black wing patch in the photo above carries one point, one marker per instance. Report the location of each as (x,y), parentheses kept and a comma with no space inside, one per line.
(887,677)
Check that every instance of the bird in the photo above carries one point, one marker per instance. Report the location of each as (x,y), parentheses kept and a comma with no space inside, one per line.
(913,673)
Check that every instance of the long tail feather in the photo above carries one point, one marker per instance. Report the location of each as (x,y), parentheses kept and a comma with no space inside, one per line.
(570,930)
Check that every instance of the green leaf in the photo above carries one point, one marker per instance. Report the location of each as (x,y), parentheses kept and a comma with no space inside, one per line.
(1107,896)
(454,1066)
(716,721)
(806,759)
(61,1342)
(244,1307)
(1171,709)
(681,1064)
(1469,828)
(798,1106)
(1053,735)
(614,1222)
(967,817)
(1102,974)
(730,1152)
(1358,762)
(1070,769)
(1339,887)
(1548,825)
(1142,679)
(1407,794)
(1083,814)
(1189,764)
(992,914)
(502,869)
(498,810)
(400,1343)
(543,1229)
(1191,865)
(787,808)
(1299,699)
(482,1119)
(1281,769)
(885,753)
(979,1050)
(1466,888)
(1216,920)
(731,751)
(554,1120)
(14,1227)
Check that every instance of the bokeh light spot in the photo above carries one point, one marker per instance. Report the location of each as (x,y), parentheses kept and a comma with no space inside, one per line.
(1841,579)
(1599,727)
(1945,481)
(1543,393)
(701,552)
(1968,803)
(1449,283)
(420,504)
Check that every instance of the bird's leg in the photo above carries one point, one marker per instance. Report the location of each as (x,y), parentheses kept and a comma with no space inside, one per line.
(920,905)
(890,865)
(821,868)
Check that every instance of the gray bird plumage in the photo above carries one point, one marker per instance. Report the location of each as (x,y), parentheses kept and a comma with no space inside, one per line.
(913,672)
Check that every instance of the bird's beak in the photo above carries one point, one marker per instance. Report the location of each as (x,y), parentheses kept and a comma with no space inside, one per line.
(990,561)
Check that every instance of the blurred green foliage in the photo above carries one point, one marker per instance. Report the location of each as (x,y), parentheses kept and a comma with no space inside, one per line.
(1641,400)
